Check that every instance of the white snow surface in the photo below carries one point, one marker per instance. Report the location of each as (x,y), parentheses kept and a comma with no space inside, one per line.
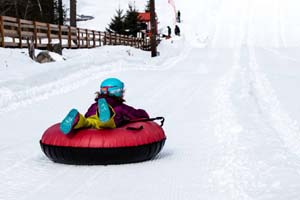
(227,88)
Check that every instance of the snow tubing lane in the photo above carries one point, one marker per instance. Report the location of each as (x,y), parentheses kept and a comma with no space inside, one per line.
(105,146)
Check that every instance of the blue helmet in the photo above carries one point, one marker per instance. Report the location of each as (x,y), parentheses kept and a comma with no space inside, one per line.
(112,87)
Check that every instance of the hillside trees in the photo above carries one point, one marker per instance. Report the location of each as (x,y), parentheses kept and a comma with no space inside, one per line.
(127,24)
(36,10)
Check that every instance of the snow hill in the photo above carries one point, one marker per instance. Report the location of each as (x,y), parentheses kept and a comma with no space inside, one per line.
(227,88)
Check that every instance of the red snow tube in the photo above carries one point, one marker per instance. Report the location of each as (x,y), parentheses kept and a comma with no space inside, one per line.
(134,142)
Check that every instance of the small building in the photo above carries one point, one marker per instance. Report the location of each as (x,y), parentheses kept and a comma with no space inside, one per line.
(145,21)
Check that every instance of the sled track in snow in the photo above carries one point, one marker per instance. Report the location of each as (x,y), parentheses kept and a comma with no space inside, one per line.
(11,100)
(288,129)
(247,108)
(228,163)
(23,175)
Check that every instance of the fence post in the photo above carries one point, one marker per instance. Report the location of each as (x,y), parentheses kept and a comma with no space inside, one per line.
(2,31)
(19,32)
(69,37)
(94,39)
(104,38)
(99,38)
(78,37)
(87,38)
(109,38)
(132,41)
(136,42)
(35,34)
(59,35)
(49,33)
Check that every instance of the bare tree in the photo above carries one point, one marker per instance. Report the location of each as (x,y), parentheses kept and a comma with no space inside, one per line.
(73,13)
(60,13)
(153,28)
(6,6)
(28,9)
(27,5)
(40,7)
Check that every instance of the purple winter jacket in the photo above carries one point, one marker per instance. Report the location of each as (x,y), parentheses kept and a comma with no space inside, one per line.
(123,111)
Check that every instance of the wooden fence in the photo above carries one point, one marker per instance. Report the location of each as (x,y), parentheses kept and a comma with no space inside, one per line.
(17,33)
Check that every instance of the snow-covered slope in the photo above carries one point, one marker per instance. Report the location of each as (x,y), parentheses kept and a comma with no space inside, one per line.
(227,88)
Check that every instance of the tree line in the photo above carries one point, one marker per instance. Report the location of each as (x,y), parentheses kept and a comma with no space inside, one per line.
(49,11)
(127,23)
(54,12)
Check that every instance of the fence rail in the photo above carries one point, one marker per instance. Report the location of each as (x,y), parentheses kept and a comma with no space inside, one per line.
(15,32)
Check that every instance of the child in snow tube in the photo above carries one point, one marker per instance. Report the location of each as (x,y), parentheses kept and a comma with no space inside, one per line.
(109,110)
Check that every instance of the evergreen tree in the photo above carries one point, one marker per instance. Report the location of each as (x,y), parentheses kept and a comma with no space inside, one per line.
(128,24)
(131,21)
(117,23)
